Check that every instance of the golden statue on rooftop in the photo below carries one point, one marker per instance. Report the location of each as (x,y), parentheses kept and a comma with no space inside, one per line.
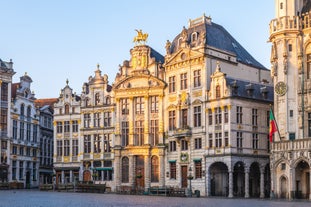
(141,37)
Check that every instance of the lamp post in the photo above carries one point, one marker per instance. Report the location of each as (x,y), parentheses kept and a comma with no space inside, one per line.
(190,177)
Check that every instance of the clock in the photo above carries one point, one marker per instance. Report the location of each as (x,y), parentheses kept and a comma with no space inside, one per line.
(280,88)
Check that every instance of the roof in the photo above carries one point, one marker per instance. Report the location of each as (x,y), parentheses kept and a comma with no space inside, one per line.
(158,57)
(45,102)
(217,37)
(246,89)
(15,86)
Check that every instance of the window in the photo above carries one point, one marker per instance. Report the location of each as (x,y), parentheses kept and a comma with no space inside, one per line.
(309,124)
(75,147)
(268,119)
(198,169)
(281,5)
(239,140)
(198,143)
(125,133)
(197,78)
(97,143)
(184,145)
(21,170)
(21,131)
(197,116)
(28,131)
(171,84)
(14,129)
(308,65)
(29,111)
(172,120)
(254,117)
(218,140)
(87,102)
(184,118)
(154,104)
(226,139)
(59,127)
(194,37)
(28,151)
(107,174)
(173,170)
(87,144)
(172,146)
(217,91)
(210,140)
(3,120)
(21,151)
(59,146)
(255,141)
(66,126)
(139,105)
(4,91)
(154,169)
(183,81)
(226,114)
(14,149)
(239,115)
(210,117)
(66,147)
(154,132)
(97,99)
(87,120)
(107,143)
(22,110)
(107,119)
(291,113)
(14,170)
(290,47)
(125,170)
(108,100)
(34,153)
(139,133)
(66,109)
(34,171)
(124,106)
(218,117)
(75,126)
(96,119)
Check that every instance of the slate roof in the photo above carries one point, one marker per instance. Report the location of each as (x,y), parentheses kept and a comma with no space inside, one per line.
(218,37)
(246,89)
(45,102)
(158,57)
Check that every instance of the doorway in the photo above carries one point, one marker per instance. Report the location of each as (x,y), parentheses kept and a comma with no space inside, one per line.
(184,174)
(140,172)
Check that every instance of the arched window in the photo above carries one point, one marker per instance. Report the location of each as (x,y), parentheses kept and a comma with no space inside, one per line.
(125,170)
(87,102)
(66,109)
(154,169)
(194,37)
(97,99)
(29,111)
(108,100)
(217,91)
(22,110)
(179,41)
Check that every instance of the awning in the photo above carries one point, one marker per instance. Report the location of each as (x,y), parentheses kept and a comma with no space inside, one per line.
(197,159)
(66,168)
(172,161)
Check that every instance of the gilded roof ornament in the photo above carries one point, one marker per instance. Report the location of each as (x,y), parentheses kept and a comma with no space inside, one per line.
(141,37)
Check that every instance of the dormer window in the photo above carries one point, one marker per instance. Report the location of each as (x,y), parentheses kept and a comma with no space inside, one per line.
(22,110)
(179,41)
(28,111)
(66,109)
(87,102)
(108,100)
(97,99)
(194,37)
(217,91)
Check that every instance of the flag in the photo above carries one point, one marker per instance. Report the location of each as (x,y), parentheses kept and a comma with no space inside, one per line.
(272,128)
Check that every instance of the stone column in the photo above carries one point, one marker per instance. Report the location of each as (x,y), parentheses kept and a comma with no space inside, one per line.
(117,164)
(147,172)
(132,167)
(63,176)
(262,182)
(162,170)
(70,176)
(230,184)
(208,181)
(292,183)
(246,183)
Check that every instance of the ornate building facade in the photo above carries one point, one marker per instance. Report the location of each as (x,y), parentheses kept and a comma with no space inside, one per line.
(24,141)
(216,105)
(6,73)
(291,69)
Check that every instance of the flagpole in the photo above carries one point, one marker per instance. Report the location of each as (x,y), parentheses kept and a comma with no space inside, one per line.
(276,123)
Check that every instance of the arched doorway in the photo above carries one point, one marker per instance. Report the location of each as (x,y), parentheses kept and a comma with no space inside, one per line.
(254,180)
(302,173)
(283,187)
(86,176)
(267,181)
(219,179)
(238,180)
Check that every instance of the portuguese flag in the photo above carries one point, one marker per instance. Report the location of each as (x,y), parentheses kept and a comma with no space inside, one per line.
(272,128)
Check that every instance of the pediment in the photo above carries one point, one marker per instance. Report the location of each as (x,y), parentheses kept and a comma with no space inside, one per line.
(181,55)
(197,102)
(143,81)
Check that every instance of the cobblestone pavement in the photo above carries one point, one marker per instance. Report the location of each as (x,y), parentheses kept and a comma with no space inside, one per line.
(35,198)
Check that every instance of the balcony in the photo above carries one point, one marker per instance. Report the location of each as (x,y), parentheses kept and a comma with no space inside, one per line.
(182,132)
(295,145)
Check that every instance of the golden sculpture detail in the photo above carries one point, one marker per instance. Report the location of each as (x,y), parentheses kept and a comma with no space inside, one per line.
(141,37)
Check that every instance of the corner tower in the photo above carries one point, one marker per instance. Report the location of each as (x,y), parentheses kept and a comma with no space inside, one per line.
(291,74)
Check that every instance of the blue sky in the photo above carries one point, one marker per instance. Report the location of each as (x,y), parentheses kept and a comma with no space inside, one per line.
(53,40)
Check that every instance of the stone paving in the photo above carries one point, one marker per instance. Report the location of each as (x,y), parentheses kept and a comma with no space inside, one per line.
(35,198)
